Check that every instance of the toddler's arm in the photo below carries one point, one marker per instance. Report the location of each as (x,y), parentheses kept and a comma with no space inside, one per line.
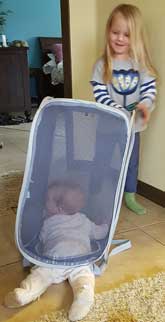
(100,90)
(101,95)
(147,96)
(147,90)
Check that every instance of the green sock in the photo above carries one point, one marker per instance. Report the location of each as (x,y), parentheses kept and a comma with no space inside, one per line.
(132,204)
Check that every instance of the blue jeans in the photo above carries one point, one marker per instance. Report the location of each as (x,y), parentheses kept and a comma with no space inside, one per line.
(132,173)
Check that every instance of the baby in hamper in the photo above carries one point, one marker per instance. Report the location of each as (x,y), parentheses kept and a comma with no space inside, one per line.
(65,232)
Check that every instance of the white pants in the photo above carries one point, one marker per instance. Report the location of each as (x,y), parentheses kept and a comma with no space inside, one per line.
(81,279)
(41,278)
(57,275)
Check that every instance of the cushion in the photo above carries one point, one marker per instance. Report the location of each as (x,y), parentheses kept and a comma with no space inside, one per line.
(57,51)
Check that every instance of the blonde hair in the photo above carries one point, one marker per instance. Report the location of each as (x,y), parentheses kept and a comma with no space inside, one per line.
(138,48)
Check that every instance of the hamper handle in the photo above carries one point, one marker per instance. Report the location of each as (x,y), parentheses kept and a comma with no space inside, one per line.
(132,118)
(121,245)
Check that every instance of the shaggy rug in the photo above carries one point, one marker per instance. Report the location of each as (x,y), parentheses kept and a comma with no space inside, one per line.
(143,300)
(10,186)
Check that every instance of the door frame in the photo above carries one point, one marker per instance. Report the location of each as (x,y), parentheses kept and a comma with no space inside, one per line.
(65,25)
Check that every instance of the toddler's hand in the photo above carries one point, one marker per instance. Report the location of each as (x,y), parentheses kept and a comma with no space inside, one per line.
(142,108)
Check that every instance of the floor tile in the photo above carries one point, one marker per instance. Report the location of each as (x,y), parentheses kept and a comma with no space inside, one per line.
(19,127)
(157,232)
(145,258)
(155,213)
(10,166)
(123,223)
(21,141)
(13,154)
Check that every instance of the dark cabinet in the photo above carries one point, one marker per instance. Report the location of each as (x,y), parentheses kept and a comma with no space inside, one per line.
(14,80)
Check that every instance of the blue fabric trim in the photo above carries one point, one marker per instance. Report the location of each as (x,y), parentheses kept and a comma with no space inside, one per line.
(146,84)
(151,94)
(146,97)
(100,90)
(147,88)
(95,83)
(100,96)
(109,100)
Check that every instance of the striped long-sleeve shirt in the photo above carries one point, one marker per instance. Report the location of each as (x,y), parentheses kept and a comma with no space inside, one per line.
(128,86)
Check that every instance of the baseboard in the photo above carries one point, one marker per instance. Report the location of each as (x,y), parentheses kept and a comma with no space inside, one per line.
(151,193)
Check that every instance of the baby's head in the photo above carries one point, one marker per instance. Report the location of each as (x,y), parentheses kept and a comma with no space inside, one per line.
(73,199)
(64,197)
(54,196)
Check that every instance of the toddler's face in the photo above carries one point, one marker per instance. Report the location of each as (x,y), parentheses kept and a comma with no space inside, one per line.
(119,38)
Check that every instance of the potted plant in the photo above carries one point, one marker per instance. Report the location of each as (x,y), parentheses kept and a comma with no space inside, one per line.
(3,19)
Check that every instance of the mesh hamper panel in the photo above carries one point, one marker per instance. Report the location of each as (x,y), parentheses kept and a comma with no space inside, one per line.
(82,145)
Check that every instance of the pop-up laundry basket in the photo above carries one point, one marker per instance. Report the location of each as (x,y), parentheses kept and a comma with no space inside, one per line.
(85,142)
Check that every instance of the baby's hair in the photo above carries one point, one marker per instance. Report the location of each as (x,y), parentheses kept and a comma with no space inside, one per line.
(66,183)
(138,48)
(69,195)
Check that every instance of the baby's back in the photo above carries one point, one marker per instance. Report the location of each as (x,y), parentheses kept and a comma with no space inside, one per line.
(66,235)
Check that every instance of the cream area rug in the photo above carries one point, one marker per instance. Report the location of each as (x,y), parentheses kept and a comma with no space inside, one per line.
(143,300)
(10,186)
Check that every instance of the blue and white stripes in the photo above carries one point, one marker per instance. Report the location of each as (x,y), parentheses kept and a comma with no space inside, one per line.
(148,91)
(102,96)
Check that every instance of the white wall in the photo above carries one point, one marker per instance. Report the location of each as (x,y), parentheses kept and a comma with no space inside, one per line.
(83,45)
